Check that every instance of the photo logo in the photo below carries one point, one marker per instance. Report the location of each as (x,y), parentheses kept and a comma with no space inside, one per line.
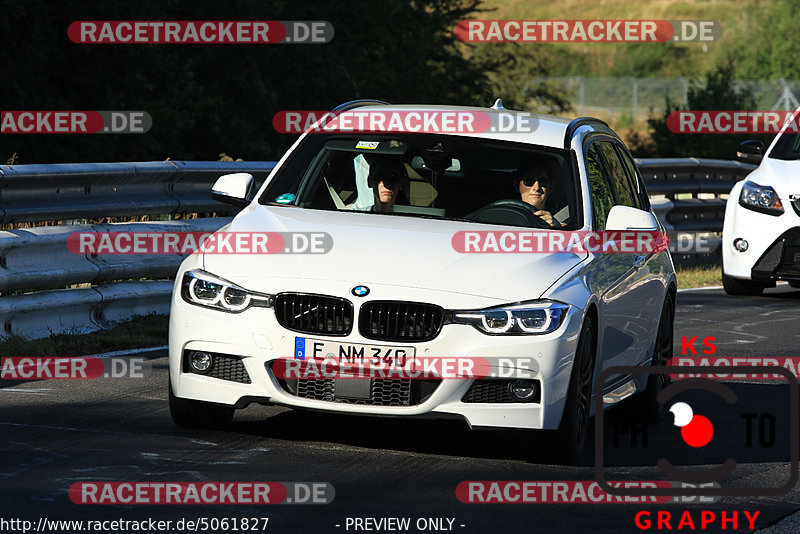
(713,431)
(696,430)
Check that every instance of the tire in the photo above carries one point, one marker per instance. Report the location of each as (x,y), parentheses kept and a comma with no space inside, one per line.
(570,437)
(738,287)
(662,351)
(198,414)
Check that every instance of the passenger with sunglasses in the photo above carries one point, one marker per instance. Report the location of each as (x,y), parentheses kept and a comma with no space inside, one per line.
(535,186)
(387,177)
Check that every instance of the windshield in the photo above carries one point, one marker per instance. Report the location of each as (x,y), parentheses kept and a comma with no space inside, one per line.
(435,176)
(787,147)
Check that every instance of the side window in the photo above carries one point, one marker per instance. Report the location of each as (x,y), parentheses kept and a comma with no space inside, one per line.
(602,200)
(620,186)
(636,179)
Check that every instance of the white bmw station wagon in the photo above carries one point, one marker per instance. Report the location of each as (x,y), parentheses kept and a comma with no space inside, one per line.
(436,241)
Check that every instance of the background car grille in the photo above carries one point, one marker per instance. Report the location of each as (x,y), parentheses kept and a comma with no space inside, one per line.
(493,391)
(314,314)
(400,321)
(782,259)
(382,392)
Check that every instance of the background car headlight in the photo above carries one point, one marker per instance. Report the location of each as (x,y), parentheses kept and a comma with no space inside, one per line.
(204,289)
(761,198)
(540,317)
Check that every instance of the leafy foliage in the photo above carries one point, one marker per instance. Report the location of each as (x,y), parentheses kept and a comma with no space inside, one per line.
(205,99)
(767,47)
(717,93)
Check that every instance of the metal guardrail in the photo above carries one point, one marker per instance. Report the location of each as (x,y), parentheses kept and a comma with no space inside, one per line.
(88,190)
(37,259)
(693,224)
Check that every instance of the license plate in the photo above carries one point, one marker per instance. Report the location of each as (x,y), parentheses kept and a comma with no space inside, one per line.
(385,356)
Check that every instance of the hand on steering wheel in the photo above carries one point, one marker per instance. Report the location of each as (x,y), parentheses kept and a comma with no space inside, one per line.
(514,212)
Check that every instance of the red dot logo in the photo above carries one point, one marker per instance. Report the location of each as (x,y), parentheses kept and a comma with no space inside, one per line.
(696,430)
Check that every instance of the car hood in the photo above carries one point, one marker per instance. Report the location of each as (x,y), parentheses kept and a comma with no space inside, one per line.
(390,251)
(782,175)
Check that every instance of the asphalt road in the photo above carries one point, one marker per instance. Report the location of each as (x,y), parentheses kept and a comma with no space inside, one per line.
(59,432)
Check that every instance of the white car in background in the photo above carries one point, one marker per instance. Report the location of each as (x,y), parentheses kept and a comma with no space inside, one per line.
(761,232)
(394,280)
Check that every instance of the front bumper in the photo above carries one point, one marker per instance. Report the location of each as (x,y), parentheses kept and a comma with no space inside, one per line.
(773,251)
(258,340)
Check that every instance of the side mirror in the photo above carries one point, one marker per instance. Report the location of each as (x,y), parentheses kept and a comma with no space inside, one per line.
(623,218)
(236,189)
(752,150)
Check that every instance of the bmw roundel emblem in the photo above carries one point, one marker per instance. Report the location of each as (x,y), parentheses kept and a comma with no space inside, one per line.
(360,291)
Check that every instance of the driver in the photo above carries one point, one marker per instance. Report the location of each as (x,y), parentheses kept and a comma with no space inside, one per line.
(535,185)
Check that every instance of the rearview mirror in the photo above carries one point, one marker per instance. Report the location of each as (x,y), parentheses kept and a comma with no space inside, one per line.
(752,150)
(235,189)
(417,163)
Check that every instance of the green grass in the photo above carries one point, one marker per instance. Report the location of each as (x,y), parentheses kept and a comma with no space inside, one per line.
(141,332)
(703,275)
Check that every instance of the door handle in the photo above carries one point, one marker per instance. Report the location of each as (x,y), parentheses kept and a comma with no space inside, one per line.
(638,261)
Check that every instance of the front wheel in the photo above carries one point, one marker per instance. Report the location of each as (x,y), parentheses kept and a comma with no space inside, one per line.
(662,352)
(736,286)
(198,414)
(571,434)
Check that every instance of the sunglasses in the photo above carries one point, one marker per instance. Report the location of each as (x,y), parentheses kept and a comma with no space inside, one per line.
(543,182)
(388,181)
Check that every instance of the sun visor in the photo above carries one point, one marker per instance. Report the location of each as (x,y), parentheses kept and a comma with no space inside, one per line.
(366,197)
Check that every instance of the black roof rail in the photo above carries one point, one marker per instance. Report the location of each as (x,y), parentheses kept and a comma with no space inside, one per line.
(577,123)
(358,103)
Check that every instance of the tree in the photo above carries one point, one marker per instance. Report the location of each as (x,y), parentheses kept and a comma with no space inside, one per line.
(764,45)
(718,93)
(208,99)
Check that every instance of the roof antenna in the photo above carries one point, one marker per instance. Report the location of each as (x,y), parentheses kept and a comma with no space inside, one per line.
(498,104)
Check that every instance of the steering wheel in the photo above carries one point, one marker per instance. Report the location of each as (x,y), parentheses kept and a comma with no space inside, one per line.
(510,212)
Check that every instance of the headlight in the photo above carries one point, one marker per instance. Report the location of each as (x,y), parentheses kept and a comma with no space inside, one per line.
(539,317)
(203,289)
(761,198)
